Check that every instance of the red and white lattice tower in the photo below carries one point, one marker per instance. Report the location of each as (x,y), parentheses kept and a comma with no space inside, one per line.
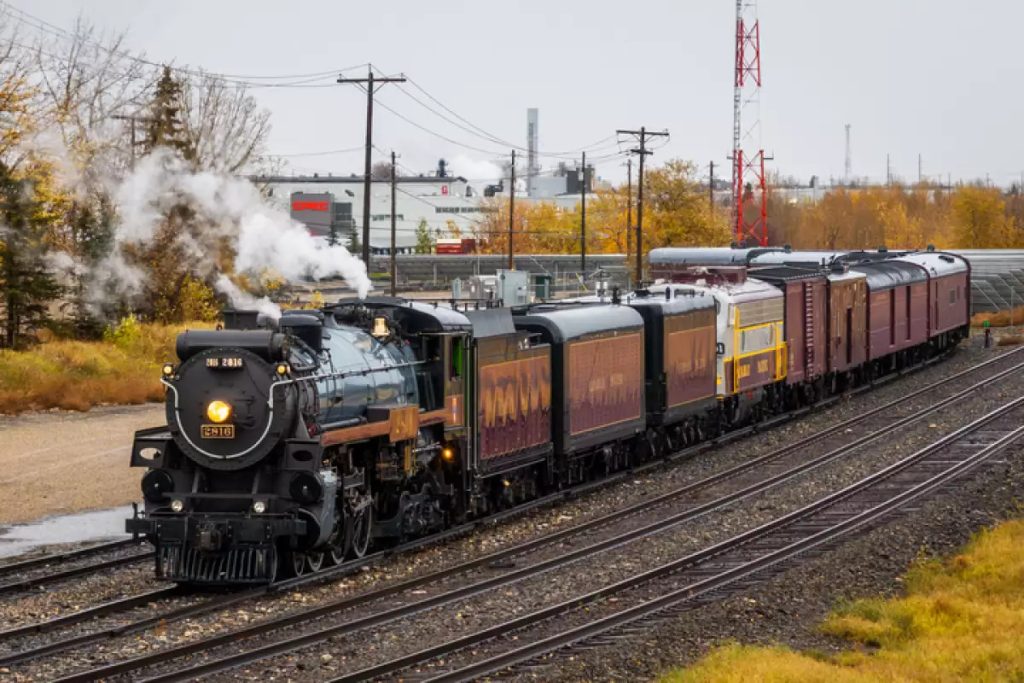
(749,186)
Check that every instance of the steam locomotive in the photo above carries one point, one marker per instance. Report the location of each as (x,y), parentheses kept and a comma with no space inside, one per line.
(328,433)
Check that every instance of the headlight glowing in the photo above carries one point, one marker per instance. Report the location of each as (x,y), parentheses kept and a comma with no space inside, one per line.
(168,369)
(177,505)
(259,507)
(218,411)
(282,369)
(448,453)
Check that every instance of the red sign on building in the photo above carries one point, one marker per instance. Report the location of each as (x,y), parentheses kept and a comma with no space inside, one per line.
(299,205)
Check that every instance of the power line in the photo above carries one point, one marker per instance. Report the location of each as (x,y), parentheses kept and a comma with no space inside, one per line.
(477,131)
(306,79)
(347,150)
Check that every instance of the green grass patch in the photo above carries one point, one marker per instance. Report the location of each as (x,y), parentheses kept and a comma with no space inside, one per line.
(962,619)
(124,368)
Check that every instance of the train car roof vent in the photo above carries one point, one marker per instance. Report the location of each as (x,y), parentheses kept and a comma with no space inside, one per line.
(931,247)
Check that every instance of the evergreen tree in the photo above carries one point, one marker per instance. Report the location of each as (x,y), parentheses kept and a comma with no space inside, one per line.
(26,282)
(165,126)
(354,246)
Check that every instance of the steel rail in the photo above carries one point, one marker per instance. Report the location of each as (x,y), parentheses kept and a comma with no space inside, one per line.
(61,558)
(720,579)
(350,567)
(473,589)
(53,577)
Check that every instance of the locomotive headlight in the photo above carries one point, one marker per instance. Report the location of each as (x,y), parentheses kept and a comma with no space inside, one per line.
(259,507)
(218,411)
(282,369)
(177,505)
(448,453)
(168,369)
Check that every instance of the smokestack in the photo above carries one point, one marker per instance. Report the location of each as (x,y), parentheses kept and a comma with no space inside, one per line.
(531,150)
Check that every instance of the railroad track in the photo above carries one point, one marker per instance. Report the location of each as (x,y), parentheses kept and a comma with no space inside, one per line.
(63,558)
(709,573)
(768,476)
(37,581)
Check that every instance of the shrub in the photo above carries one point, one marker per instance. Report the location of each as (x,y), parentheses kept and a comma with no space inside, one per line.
(999,318)
(124,368)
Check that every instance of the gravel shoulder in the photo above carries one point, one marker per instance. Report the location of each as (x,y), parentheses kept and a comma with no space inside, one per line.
(58,462)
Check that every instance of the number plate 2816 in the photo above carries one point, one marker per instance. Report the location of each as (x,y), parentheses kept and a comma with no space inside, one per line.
(217,431)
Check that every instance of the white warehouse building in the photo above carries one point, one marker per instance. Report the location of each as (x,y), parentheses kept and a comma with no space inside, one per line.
(325,203)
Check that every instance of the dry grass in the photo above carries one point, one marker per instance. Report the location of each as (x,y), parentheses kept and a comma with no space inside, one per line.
(999,318)
(961,619)
(77,375)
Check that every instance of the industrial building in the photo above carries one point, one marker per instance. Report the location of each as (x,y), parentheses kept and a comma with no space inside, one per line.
(328,203)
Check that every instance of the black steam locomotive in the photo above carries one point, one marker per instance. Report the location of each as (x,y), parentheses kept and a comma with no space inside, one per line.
(304,441)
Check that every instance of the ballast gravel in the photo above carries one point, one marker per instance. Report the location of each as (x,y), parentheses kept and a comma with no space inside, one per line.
(318,662)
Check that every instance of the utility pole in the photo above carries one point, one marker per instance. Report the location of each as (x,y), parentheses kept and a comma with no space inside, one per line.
(133,119)
(711,188)
(920,168)
(372,84)
(394,250)
(641,135)
(583,217)
(629,206)
(511,211)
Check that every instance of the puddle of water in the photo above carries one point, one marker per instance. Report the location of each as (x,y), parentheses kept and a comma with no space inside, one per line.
(78,528)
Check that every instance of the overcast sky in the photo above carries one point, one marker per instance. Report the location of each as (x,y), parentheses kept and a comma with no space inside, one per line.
(937,77)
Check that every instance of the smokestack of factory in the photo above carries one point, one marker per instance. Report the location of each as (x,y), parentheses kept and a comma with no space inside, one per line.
(531,151)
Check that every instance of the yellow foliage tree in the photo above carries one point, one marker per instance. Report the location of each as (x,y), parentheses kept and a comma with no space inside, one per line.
(676,213)
(980,220)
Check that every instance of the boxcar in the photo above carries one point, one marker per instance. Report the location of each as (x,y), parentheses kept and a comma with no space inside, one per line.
(897,306)
(597,368)
(847,320)
(511,390)
(805,292)
(949,306)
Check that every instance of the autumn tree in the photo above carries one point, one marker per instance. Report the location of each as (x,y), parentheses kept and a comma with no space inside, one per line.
(677,212)
(225,126)
(30,206)
(980,220)
(424,240)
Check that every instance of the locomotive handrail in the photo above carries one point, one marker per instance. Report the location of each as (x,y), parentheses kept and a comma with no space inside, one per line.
(339,375)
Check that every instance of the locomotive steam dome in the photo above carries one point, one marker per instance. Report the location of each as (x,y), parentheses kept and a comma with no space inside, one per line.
(218,408)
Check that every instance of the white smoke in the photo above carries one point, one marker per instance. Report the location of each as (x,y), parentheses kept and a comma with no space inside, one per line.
(243,300)
(475,170)
(229,211)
